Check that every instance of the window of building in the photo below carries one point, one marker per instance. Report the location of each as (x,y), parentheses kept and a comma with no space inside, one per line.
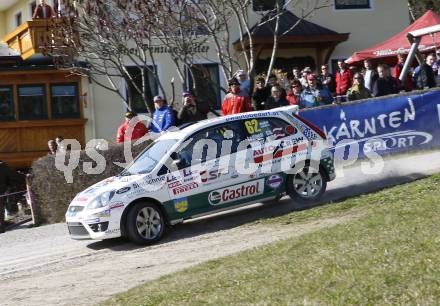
(6,103)
(18,19)
(265,5)
(65,101)
(207,82)
(352,4)
(32,7)
(32,104)
(137,104)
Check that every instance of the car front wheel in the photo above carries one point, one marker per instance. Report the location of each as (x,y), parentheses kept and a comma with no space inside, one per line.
(145,224)
(306,186)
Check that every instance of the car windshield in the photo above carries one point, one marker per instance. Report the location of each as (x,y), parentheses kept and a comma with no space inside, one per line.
(150,157)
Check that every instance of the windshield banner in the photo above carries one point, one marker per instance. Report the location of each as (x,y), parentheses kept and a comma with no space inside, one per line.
(383,126)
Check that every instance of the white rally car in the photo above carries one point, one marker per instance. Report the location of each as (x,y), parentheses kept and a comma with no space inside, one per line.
(212,165)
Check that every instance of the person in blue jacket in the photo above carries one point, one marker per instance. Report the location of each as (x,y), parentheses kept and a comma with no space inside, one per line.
(314,94)
(163,117)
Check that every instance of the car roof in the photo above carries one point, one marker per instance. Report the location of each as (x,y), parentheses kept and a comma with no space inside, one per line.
(178,134)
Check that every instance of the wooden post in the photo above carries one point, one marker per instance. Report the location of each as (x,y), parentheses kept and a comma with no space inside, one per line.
(30,198)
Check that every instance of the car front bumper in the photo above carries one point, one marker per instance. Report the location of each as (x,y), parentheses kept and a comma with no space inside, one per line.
(101,225)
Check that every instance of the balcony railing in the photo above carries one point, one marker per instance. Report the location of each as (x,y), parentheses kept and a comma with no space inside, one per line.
(36,37)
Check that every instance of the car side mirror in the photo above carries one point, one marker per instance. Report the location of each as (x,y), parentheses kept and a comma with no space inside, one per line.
(164,170)
(174,156)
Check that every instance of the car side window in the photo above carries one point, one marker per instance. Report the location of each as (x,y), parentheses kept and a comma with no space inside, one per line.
(262,129)
(232,131)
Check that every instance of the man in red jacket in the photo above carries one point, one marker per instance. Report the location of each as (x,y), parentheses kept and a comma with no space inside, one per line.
(344,79)
(131,129)
(233,102)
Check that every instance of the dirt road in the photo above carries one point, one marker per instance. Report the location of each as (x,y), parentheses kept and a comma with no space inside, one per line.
(43,266)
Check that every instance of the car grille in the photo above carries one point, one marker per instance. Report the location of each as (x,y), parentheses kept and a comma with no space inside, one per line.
(99,227)
(77,229)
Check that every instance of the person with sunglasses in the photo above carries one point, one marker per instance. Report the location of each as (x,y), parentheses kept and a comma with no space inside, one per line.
(276,99)
(358,91)
(327,79)
(294,95)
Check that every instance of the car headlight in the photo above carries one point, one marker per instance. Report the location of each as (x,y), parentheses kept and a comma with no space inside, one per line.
(102,200)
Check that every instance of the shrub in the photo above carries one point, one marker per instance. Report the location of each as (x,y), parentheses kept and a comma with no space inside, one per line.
(53,194)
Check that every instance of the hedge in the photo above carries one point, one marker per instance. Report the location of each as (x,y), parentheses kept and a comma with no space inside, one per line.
(53,193)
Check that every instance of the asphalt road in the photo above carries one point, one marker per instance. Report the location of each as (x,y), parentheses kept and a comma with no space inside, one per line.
(43,266)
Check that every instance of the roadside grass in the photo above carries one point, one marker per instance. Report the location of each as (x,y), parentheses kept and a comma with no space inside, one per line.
(389,256)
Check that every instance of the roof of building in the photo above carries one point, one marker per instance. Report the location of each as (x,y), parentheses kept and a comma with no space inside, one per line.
(290,24)
(292,30)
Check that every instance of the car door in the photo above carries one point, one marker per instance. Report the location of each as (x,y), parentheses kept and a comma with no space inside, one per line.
(275,151)
(205,164)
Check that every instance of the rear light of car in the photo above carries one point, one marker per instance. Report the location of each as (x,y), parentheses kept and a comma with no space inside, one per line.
(311,125)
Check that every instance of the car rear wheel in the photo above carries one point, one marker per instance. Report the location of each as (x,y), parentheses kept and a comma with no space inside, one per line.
(145,224)
(306,186)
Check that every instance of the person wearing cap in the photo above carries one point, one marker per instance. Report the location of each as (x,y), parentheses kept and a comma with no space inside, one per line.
(190,111)
(314,94)
(234,103)
(131,129)
(245,83)
(163,117)
(305,73)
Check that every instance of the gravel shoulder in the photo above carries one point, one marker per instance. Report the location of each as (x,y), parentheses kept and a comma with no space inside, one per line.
(43,266)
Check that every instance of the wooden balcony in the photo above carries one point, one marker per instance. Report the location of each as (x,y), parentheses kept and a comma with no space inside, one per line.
(36,37)
(24,141)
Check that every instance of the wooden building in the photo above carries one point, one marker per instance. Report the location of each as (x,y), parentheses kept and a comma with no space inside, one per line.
(37,101)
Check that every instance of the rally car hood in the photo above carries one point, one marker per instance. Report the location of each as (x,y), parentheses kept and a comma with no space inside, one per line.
(114,183)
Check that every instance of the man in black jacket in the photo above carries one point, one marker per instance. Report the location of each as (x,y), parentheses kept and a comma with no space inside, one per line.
(8,179)
(260,95)
(426,77)
(191,110)
(385,84)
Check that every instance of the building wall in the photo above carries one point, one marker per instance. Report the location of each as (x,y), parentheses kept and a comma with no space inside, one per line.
(109,107)
(2,25)
(367,27)
(8,16)
(104,110)
(22,6)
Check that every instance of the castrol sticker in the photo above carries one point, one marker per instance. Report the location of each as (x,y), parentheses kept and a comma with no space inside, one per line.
(236,192)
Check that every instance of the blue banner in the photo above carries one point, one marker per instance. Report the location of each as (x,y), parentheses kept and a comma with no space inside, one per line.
(384,125)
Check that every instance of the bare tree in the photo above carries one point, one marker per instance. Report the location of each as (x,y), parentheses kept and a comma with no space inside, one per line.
(103,36)
(305,9)
(217,21)
(102,39)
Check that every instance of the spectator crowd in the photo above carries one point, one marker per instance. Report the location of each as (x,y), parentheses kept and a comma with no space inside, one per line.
(304,88)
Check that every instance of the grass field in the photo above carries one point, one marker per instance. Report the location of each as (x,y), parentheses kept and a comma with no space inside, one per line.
(388,256)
